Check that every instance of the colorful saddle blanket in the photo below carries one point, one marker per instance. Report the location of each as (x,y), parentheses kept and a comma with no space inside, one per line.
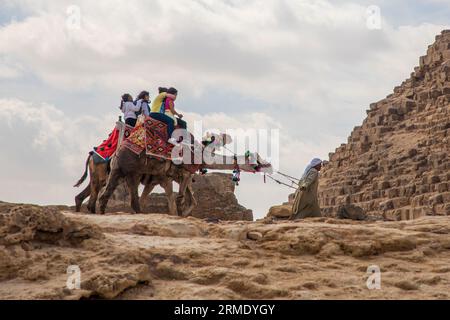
(151,136)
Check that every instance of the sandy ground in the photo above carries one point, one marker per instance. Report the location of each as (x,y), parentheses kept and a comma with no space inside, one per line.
(125,256)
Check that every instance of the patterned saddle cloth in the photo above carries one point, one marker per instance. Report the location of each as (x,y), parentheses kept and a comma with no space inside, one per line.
(151,136)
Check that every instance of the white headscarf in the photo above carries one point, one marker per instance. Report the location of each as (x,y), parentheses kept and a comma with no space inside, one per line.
(314,162)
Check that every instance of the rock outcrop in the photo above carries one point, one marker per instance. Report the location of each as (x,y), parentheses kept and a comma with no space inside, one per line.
(37,246)
(283,211)
(396,164)
(216,199)
(27,224)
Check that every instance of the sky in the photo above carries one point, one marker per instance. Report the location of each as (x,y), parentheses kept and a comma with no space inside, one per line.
(307,68)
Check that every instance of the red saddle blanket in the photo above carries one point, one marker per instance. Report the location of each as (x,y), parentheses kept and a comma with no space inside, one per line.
(109,146)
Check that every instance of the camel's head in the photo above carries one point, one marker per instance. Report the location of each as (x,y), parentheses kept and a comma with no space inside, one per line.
(219,139)
(263,166)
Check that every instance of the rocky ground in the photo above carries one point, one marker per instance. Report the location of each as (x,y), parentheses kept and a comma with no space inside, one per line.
(124,256)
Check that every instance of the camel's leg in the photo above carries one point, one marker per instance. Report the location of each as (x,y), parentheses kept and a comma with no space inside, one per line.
(181,199)
(132,181)
(102,179)
(94,186)
(111,185)
(98,181)
(81,197)
(147,190)
(192,201)
(168,188)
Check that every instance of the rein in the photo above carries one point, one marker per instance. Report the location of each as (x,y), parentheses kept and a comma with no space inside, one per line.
(280,182)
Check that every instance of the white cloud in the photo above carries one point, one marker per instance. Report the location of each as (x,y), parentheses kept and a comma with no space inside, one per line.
(294,152)
(8,69)
(262,49)
(61,141)
(7,72)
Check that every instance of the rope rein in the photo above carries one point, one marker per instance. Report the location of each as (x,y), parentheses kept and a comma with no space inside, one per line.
(293,179)
(280,182)
(237,173)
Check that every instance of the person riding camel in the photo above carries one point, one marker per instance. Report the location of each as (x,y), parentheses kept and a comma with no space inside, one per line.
(158,109)
(169,108)
(158,103)
(142,102)
(129,109)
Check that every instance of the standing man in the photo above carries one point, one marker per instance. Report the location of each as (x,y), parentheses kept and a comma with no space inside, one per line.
(306,203)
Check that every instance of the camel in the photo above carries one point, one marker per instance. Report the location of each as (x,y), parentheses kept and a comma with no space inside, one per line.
(98,174)
(132,167)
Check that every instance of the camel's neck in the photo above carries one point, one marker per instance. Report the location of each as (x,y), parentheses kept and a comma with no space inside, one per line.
(222,162)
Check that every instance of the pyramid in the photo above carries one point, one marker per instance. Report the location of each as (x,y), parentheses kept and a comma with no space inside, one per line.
(396,165)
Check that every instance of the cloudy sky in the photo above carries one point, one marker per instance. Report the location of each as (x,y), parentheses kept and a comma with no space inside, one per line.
(309,68)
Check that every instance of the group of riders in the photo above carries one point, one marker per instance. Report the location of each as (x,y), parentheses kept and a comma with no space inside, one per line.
(162,109)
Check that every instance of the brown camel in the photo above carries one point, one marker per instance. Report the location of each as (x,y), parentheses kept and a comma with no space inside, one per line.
(132,167)
(98,176)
